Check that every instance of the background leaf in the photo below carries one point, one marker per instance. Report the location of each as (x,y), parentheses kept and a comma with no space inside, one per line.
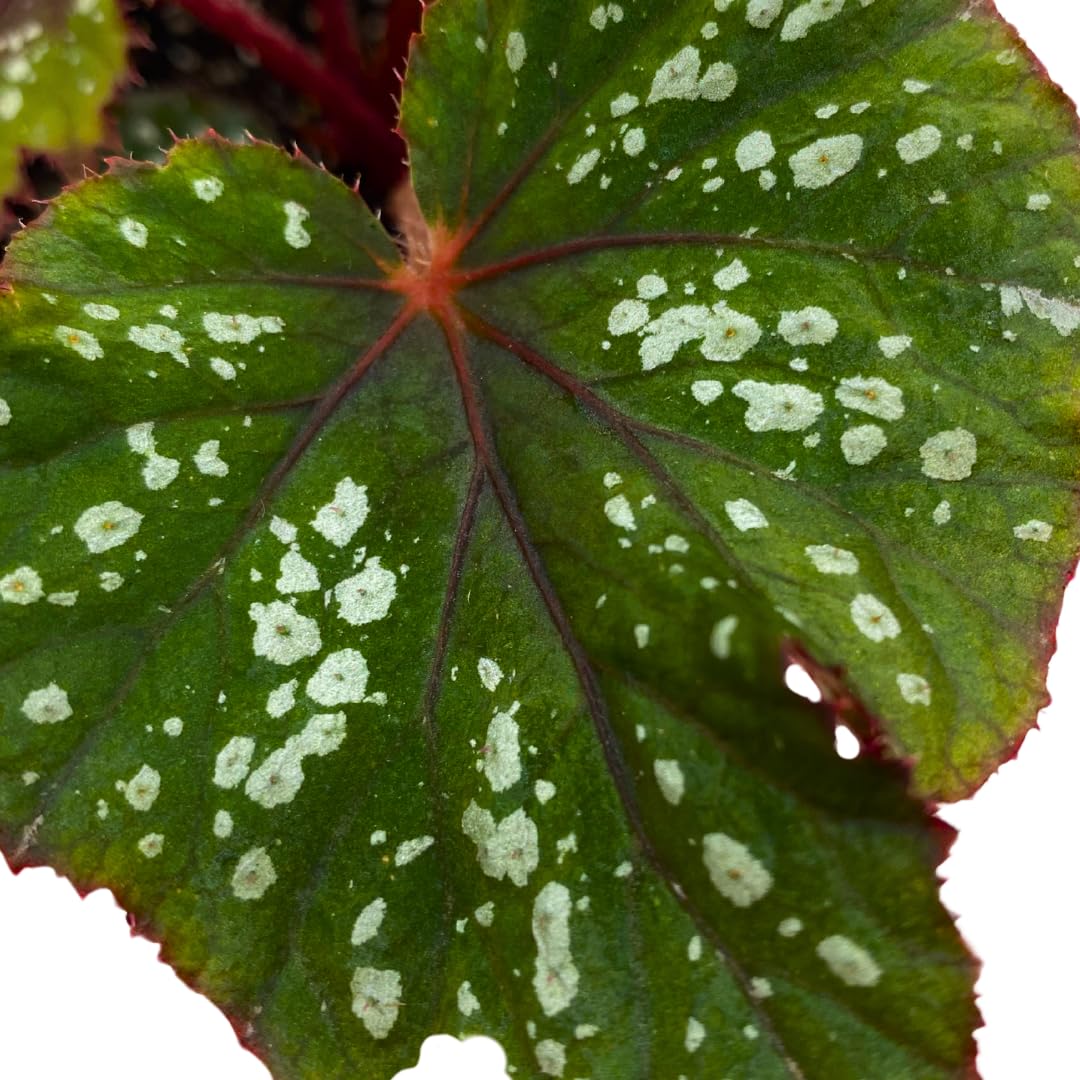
(531,768)
(149,120)
(60,61)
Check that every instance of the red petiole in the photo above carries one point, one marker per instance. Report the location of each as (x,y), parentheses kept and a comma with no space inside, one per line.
(338,39)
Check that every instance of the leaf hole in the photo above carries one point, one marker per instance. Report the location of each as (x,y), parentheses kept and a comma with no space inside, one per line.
(799,681)
(847,743)
(477,1057)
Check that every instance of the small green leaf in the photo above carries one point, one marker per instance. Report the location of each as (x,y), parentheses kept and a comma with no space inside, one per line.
(406,647)
(60,61)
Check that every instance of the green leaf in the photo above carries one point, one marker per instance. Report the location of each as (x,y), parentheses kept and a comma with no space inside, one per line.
(60,61)
(406,648)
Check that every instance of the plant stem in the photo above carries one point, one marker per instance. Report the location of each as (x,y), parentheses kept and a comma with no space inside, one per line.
(360,133)
(338,39)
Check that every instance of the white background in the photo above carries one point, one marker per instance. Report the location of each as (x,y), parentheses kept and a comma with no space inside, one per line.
(80,997)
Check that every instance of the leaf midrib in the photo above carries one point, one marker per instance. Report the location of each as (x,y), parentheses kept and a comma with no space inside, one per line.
(595,703)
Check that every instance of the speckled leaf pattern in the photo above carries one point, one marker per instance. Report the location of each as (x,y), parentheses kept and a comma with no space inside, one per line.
(60,61)
(408,653)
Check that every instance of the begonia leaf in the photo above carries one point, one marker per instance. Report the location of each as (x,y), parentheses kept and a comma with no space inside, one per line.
(405,644)
(60,61)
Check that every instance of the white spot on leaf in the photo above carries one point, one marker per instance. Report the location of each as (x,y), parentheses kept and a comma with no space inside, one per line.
(366,597)
(651,287)
(80,341)
(806,16)
(824,162)
(412,849)
(490,673)
(158,338)
(516,52)
(860,445)
(208,460)
(695,1035)
(874,396)
(296,236)
(501,759)
(949,455)
(619,512)
(544,791)
(849,962)
(1038,531)
(233,761)
(779,406)
(754,151)
(627,316)
(551,1057)
(296,575)
(727,335)
(22,586)
(919,144)
(720,636)
(634,142)
(808,326)
(731,276)
(49,705)
(509,849)
(151,845)
(873,618)
(281,699)
(376,999)
(556,978)
(107,525)
(368,922)
(282,634)
(279,777)
(914,689)
(254,874)
(339,519)
(762,13)
(678,79)
(734,871)
(207,188)
(340,679)
(832,560)
(134,232)
(239,329)
(142,790)
(706,391)
(669,778)
(745,515)
(467,1002)
(892,347)
(582,166)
